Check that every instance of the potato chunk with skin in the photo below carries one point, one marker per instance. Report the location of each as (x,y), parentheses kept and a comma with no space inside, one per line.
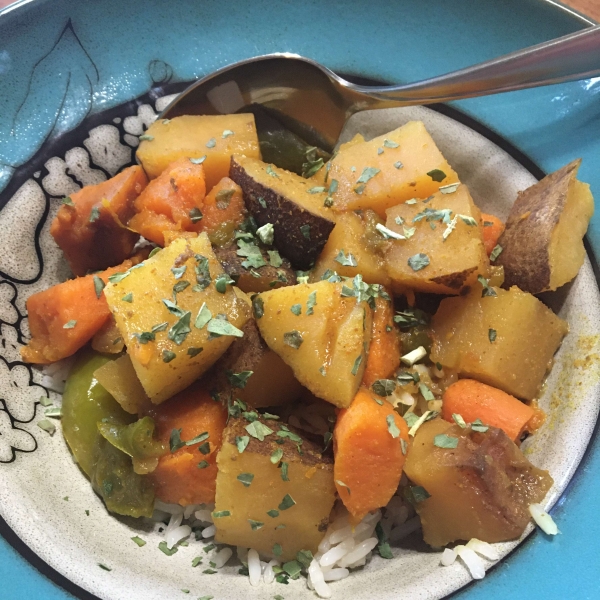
(480,489)
(349,236)
(256,497)
(450,263)
(195,136)
(389,169)
(156,314)
(272,381)
(91,232)
(542,246)
(322,335)
(506,341)
(292,204)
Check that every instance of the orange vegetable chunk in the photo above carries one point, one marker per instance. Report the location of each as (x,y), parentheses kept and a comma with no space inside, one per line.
(474,400)
(168,203)
(384,351)
(223,210)
(368,458)
(492,229)
(188,476)
(91,233)
(66,316)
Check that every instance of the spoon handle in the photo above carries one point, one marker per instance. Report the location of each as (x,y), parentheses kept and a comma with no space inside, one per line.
(574,56)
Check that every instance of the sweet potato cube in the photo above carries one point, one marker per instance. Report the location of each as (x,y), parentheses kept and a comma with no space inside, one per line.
(91,231)
(193,136)
(261,502)
(445,253)
(389,169)
(506,340)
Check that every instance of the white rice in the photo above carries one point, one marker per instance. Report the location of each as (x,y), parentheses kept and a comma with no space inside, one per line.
(54,375)
(343,548)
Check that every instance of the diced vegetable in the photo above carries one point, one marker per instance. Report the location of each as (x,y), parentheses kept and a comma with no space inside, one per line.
(349,250)
(107,339)
(251,372)
(384,351)
(256,279)
(287,501)
(368,442)
(444,251)
(476,485)
(492,228)
(85,403)
(321,334)
(178,322)
(135,440)
(170,202)
(195,137)
(124,491)
(473,400)
(91,231)
(223,210)
(64,318)
(542,246)
(184,475)
(506,340)
(301,222)
(409,166)
(119,379)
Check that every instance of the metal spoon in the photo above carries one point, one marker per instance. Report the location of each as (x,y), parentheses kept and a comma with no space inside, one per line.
(315,102)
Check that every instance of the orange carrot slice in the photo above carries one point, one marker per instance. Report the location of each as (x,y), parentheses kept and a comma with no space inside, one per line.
(188,476)
(384,352)
(91,230)
(370,441)
(492,228)
(473,400)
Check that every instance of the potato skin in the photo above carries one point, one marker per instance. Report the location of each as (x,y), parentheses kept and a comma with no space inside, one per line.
(526,239)
(287,216)
(269,277)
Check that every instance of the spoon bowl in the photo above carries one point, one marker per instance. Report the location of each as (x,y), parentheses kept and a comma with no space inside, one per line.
(314,102)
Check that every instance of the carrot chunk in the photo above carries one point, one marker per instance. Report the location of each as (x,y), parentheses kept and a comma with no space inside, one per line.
(223,211)
(492,228)
(189,474)
(384,351)
(171,202)
(368,453)
(91,231)
(473,400)
(66,316)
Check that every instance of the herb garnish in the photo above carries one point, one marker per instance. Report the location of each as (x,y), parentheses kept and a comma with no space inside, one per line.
(418,261)
(437,175)
(238,380)
(392,427)
(356,365)
(293,339)
(241,441)
(496,252)
(168,356)
(445,441)
(311,303)
(258,430)
(198,161)
(296,309)
(211,143)
(70,324)
(94,214)
(487,290)
(492,335)
(98,285)
(286,503)
(245,479)
(367,174)
(384,387)
(346,261)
